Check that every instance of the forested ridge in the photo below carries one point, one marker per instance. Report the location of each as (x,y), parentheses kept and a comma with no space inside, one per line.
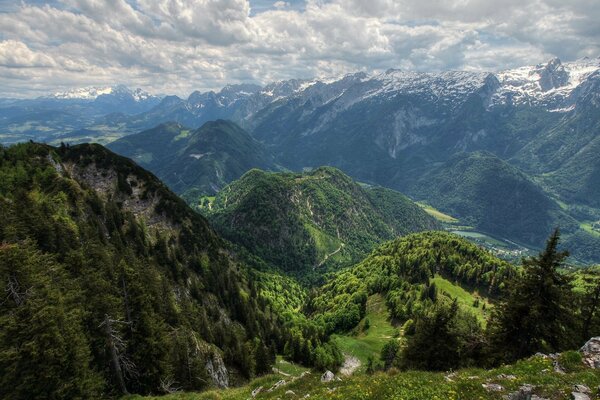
(311,223)
(113,284)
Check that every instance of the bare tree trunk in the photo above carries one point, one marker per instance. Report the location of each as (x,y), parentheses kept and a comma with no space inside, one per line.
(114,355)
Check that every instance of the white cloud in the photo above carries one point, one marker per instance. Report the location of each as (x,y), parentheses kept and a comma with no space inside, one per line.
(15,54)
(176,46)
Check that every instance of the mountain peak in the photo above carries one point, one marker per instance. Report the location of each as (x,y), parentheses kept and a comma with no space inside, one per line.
(552,75)
(94,92)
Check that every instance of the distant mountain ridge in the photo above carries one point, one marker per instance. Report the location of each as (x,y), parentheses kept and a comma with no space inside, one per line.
(196,162)
(93,92)
(393,128)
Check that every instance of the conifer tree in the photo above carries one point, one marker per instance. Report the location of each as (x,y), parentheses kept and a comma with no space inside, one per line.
(536,315)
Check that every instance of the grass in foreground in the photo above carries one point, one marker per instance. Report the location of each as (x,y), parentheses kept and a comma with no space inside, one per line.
(417,385)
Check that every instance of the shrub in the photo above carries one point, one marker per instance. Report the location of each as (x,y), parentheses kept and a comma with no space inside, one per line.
(571,361)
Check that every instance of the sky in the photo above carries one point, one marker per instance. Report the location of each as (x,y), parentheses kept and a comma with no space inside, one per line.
(178,46)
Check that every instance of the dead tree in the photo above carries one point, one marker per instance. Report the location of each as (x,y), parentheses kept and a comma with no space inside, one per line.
(115,345)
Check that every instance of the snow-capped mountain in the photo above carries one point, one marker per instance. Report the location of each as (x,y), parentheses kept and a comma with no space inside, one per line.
(551,84)
(93,92)
(86,93)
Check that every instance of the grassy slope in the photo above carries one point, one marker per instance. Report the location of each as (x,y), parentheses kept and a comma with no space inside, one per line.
(416,385)
(437,214)
(289,368)
(369,343)
(465,299)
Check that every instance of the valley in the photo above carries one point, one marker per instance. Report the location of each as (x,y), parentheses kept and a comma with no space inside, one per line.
(393,235)
(511,154)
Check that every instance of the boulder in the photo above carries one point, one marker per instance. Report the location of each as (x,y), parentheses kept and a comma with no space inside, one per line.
(582,389)
(579,396)
(277,385)
(591,352)
(492,387)
(508,377)
(525,392)
(328,376)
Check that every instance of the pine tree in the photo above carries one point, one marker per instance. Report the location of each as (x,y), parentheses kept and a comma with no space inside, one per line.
(389,353)
(434,344)
(536,314)
(39,304)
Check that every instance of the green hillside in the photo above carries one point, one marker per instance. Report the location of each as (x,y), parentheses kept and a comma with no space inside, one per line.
(195,162)
(489,194)
(113,284)
(313,222)
(404,271)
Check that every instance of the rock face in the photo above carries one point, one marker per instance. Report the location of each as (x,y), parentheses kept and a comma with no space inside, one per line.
(591,352)
(328,376)
(217,371)
(277,385)
(581,392)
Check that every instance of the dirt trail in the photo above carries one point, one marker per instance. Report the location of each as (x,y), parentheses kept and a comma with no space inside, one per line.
(330,255)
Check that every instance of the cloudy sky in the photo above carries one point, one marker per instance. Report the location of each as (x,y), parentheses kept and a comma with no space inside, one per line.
(176,46)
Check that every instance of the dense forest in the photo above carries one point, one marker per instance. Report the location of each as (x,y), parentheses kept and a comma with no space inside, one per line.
(114,285)
(311,223)
(538,307)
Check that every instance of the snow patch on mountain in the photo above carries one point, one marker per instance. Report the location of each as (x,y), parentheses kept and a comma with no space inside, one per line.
(452,87)
(87,93)
(93,92)
(549,84)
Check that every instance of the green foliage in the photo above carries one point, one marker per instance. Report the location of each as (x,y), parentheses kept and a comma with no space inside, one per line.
(328,357)
(389,353)
(537,314)
(401,270)
(314,222)
(571,361)
(366,325)
(112,278)
(445,337)
(42,329)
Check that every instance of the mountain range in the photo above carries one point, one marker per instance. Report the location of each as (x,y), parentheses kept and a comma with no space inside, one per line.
(537,126)
(114,285)
(196,162)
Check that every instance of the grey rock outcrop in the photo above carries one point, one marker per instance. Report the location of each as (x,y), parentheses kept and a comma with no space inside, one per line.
(525,392)
(591,352)
(492,387)
(215,367)
(328,376)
